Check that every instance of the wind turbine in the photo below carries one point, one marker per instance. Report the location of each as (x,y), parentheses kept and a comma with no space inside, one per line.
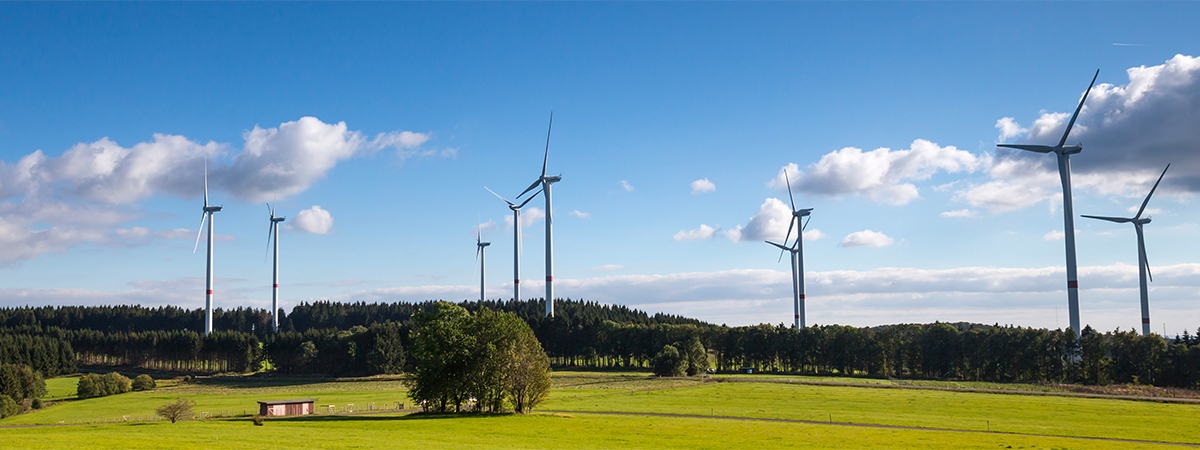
(516,209)
(1064,153)
(480,258)
(275,269)
(1143,264)
(546,181)
(797,250)
(208,283)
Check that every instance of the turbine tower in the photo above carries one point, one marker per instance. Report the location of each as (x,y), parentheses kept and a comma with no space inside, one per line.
(1064,153)
(208,283)
(1143,265)
(797,250)
(546,181)
(271,232)
(516,209)
(480,258)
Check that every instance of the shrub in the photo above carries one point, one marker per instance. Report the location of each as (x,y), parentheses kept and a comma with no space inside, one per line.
(25,404)
(143,382)
(100,385)
(669,363)
(258,420)
(8,407)
(176,410)
(37,403)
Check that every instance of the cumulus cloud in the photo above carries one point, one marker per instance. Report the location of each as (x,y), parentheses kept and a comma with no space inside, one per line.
(770,223)
(704,232)
(529,216)
(867,238)
(961,213)
(483,227)
(84,194)
(1129,133)
(1054,235)
(703,185)
(882,175)
(313,220)
(628,187)
(581,214)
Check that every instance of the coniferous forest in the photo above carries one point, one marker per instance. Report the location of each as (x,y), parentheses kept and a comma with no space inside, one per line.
(352,339)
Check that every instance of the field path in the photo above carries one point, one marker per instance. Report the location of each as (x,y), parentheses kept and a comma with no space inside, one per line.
(1193,401)
(866,425)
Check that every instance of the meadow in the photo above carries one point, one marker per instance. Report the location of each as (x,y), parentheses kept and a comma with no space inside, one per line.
(566,421)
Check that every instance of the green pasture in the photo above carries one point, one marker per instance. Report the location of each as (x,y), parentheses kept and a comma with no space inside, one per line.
(1036,414)
(1027,414)
(512,431)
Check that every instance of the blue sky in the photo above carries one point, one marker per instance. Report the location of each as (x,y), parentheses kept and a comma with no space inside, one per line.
(391,117)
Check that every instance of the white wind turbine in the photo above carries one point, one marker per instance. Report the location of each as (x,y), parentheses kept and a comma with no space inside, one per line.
(1064,172)
(480,258)
(1143,264)
(272,232)
(797,250)
(208,283)
(546,181)
(516,209)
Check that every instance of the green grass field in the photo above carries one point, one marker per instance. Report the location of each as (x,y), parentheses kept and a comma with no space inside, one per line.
(1041,415)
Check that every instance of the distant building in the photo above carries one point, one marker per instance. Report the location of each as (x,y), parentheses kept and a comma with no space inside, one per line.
(297,407)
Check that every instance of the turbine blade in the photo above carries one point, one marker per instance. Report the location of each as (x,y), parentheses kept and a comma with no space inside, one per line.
(805,226)
(1147,200)
(1077,109)
(205,182)
(531,197)
(270,232)
(203,218)
(498,195)
(530,188)
(1142,254)
(547,157)
(1032,148)
(274,201)
(269,210)
(1110,219)
(787,180)
(791,223)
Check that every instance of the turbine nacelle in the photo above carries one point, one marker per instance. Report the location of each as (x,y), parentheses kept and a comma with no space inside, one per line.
(278,219)
(552,178)
(802,212)
(212,208)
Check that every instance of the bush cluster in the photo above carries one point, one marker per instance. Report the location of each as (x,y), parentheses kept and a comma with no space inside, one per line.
(490,357)
(143,382)
(101,385)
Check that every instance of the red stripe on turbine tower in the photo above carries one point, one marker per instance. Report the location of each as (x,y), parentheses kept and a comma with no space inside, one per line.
(276,284)
(801,298)
(1073,284)
(550,279)
(1147,320)
(210,292)
(517,281)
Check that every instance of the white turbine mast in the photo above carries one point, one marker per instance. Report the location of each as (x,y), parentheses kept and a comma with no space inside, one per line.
(516,209)
(480,257)
(272,231)
(546,181)
(1143,265)
(797,251)
(208,283)
(1064,153)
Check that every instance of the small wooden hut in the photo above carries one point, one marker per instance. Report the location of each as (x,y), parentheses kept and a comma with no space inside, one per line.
(296,407)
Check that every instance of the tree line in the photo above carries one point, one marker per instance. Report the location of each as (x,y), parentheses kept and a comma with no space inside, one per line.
(361,339)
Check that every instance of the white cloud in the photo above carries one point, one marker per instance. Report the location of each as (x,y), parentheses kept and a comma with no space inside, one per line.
(529,216)
(608,268)
(704,232)
(882,175)
(1129,132)
(814,234)
(483,227)
(581,214)
(703,185)
(1021,296)
(867,238)
(313,220)
(1148,212)
(1008,128)
(1054,235)
(769,223)
(628,187)
(82,196)
(961,213)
